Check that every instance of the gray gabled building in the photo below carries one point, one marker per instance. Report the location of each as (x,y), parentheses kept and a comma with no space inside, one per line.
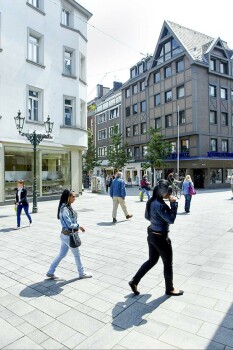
(188,79)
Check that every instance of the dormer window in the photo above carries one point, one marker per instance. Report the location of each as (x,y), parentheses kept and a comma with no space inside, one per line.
(133,72)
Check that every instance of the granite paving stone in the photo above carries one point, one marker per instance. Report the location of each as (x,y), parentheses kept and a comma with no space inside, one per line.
(102,312)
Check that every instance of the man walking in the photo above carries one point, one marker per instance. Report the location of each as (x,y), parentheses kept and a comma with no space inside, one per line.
(118,193)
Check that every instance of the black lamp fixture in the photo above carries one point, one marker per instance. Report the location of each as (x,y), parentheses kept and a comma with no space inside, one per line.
(35,140)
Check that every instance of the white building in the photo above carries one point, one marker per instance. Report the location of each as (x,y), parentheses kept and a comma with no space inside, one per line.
(43,54)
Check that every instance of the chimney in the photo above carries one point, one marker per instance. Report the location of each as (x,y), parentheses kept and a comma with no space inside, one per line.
(99,91)
(116,85)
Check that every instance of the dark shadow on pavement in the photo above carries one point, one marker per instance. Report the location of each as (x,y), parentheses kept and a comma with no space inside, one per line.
(48,287)
(130,313)
(8,229)
(184,213)
(105,223)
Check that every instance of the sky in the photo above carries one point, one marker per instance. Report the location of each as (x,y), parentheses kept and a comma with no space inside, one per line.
(121,32)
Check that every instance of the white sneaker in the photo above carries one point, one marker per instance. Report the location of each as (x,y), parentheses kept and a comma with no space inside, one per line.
(85,275)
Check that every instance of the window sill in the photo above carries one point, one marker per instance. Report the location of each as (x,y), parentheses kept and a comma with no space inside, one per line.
(69,76)
(36,9)
(73,127)
(35,64)
(82,81)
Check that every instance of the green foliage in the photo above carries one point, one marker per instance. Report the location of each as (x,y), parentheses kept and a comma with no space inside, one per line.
(90,158)
(157,149)
(117,155)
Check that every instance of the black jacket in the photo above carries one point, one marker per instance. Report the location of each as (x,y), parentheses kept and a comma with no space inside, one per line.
(160,215)
(24,200)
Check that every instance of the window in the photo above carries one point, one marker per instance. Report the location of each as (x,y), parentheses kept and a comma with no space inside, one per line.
(82,67)
(140,68)
(231,95)
(180,92)
(224,119)
(213,145)
(212,91)
(135,130)
(180,66)
(167,72)
(224,145)
(128,131)
(67,17)
(223,67)
(172,146)
(127,111)
(184,145)
(212,64)
(102,134)
(101,118)
(168,121)
(102,151)
(157,100)
(69,111)
(133,72)
(213,117)
(143,128)
(129,152)
(144,151)
(157,77)
(113,113)
(134,89)
(127,92)
(35,47)
(168,96)
(143,106)
(34,104)
(36,3)
(69,61)
(216,176)
(111,129)
(223,93)
(157,123)
(182,119)
(166,51)
(136,152)
(142,85)
(135,108)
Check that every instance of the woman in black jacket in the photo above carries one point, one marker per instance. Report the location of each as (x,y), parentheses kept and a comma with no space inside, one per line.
(160,216)
(21,202)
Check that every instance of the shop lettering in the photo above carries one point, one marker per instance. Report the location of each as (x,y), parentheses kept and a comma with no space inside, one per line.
(219,154)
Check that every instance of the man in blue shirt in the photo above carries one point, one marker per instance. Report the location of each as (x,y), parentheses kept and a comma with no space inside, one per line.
(118,193)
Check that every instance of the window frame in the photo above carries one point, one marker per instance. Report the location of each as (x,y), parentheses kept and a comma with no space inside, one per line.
(168,121)
(68,50)
(73,111)
(167,99)
(212,88)
(157,100)
(214,122)
(179,89)
(32,45)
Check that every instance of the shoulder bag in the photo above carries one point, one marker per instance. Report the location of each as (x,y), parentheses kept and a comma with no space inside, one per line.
(75,240)
(191,190)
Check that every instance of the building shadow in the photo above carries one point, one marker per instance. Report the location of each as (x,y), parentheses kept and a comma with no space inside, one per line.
(131,312)
(47,287)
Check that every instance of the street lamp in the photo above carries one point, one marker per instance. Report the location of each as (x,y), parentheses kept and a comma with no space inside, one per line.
(35,140)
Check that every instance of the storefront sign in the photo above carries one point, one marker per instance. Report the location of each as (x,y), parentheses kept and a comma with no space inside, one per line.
(220,154)
(182,155)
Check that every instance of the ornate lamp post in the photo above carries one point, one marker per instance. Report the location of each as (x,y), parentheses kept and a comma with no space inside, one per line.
(35,140)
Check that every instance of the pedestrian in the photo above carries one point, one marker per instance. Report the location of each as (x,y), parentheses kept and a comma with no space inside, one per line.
(21,202)
(145,187)
(160,216)
(107,183)
(188,197)
(171,178)
(232,184)
(68,219)
(118,194)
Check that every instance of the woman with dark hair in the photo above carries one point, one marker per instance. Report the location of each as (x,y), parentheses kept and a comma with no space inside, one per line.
(21,202)
(68,219)
(160,216)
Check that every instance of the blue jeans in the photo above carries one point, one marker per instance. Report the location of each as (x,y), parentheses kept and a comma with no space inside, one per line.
(63,251)
(19,209)
(144,190)
(188,198)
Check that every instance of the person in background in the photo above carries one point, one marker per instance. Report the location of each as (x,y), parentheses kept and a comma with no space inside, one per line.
(187,182)
(160,216)
(232,184)
(68,219)
(145,186)
(118,194)
(107,183)
(21,202)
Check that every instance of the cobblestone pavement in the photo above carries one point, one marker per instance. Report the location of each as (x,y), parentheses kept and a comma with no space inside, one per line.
(101,312)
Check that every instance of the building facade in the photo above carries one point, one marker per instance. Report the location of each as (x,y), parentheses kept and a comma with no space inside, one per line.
(43,58)
(188,95)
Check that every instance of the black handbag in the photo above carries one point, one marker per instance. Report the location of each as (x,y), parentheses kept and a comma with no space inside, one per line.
(75,240)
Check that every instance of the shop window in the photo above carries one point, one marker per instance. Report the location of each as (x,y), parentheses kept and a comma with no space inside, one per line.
(216,176)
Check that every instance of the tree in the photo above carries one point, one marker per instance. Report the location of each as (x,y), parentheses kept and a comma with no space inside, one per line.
(117,154)
(90,157)
(158,149)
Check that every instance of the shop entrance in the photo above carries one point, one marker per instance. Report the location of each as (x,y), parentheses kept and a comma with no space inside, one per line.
(198,178)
